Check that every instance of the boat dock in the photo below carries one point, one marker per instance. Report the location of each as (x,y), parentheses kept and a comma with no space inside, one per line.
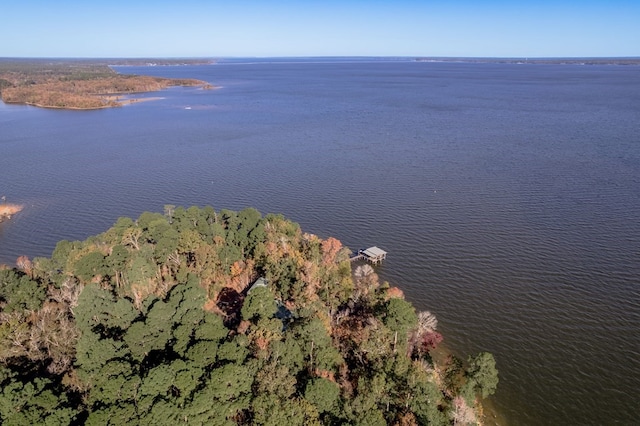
(373,255)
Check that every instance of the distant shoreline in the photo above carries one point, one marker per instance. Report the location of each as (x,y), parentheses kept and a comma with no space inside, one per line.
(541,61)
(81,84)
(85,84)
(120,102)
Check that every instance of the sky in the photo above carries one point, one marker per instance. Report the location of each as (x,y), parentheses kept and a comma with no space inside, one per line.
(269,28)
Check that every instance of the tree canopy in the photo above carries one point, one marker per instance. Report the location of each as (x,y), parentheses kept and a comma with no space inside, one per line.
(157,321)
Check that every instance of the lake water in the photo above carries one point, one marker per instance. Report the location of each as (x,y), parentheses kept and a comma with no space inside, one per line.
(507,196)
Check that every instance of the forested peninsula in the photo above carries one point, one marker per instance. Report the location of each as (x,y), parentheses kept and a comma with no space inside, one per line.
(197,316)
(78,84)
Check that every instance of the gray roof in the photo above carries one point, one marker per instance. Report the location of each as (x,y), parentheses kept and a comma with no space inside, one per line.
(374,252)
(260,282)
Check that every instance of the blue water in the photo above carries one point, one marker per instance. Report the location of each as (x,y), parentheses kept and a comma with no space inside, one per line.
(507,196)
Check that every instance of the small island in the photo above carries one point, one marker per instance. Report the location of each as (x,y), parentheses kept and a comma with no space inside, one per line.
(8,210)
(80,84)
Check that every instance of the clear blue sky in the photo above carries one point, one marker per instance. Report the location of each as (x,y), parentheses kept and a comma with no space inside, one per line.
(199,28)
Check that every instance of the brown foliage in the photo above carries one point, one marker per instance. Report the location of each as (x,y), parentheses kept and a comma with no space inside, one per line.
(243,327)
(262,342)
(463,415)
(72,381)
(236,268)
(67,294)
(88,94)
(353,328)
(406,419)
(345,382)
(310,274)
(47,335)
(24,264)
(210,305)
(55,335)
(394,293)
(242,275)
(326,374)
(330,249)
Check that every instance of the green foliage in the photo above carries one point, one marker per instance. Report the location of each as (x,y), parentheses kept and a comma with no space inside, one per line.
(483,374)
(149,221)
(61,253)
(141,271)
(156,340)
(270,411)
(288,352)
(323,394)
(424,397)
(210,328)
(317,345)
(89,266)
(160,352)
(121,225)
(259,304)
(454,377)
(400,315)
(18,292)
(34,402)
(167,243)
(202,353)
(235,351)
(231,381)
(99,307)
(372,417)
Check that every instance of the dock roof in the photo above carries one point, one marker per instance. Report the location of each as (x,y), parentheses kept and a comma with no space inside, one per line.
(374,252)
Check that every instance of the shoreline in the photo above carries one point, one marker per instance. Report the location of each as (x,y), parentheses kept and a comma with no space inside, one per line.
(120,103)
(113,99)
(86,86)
(485,409)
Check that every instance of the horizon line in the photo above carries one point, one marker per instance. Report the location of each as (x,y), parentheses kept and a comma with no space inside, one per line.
(327,56)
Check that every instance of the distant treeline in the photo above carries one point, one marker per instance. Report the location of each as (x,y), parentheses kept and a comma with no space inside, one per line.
(203,317)
(76,84)
(549,61)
